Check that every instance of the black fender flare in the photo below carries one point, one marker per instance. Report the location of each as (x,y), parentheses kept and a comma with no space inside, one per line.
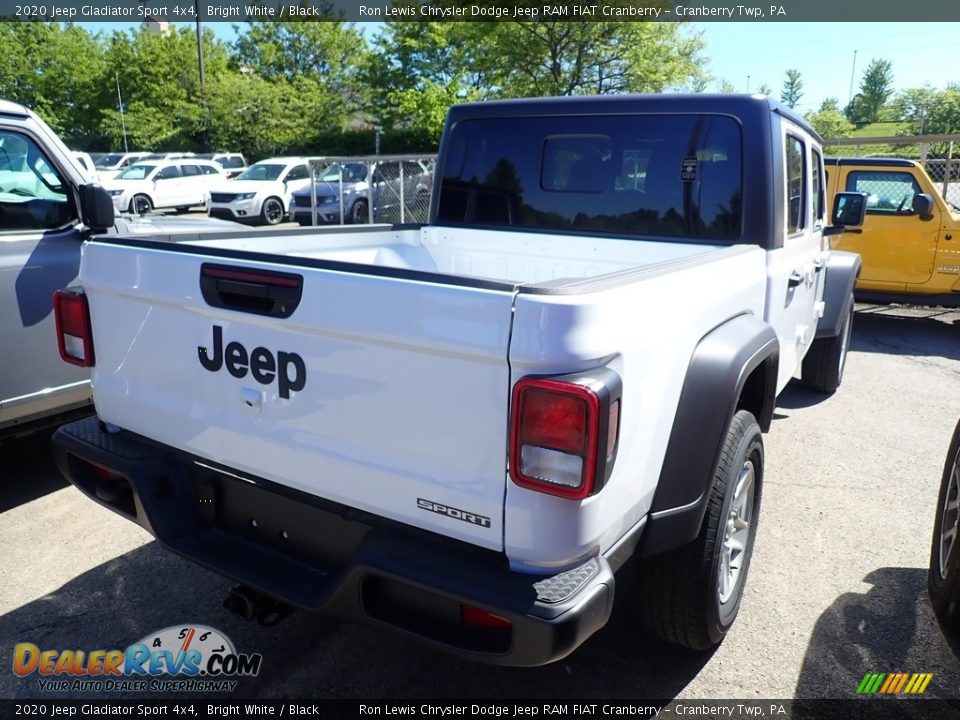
(841,272)
(716,377)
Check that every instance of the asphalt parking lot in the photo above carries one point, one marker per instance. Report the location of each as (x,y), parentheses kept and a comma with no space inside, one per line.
(836,589)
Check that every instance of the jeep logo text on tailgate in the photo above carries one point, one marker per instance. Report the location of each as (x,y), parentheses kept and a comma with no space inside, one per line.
(288,368)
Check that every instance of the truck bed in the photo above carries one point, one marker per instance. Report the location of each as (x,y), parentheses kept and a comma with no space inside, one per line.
(514,258)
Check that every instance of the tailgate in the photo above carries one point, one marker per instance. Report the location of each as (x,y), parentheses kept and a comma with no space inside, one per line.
(384,393)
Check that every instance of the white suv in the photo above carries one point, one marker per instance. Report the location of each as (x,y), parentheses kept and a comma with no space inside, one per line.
(178,184)
(261,193)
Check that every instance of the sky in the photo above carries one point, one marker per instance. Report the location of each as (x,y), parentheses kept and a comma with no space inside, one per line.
(749,55)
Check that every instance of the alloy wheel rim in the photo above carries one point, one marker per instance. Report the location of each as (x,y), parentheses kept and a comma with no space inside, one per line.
(736,533)
(950,519)
(273,211)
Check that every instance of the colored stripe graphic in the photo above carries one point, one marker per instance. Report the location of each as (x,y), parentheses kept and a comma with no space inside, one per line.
(894,683)
(870,683)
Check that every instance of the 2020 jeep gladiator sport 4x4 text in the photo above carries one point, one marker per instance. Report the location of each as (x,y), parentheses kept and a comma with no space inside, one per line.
(463,430)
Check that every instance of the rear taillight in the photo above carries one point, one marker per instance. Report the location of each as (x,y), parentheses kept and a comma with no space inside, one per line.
(563,432)
(74,337)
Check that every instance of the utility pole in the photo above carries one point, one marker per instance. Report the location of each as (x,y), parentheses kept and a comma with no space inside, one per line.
(203,93)
(852,71)
(123,124)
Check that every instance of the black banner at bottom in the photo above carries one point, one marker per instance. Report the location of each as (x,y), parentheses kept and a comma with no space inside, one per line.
(192,708)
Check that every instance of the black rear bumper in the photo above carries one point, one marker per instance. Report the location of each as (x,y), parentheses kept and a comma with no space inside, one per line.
(318,555)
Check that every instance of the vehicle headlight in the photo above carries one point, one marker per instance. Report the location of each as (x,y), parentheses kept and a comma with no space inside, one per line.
(115,193)
(246,196)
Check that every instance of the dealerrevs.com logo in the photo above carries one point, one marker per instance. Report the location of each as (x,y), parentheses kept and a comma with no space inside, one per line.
(195,658)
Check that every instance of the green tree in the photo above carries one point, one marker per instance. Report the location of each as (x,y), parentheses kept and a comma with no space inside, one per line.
(829,121)
(765,89)
(416,72)
(589,58)
(792,89)
(938,115)
(912,106)
(329,53)
(876,88)
(160,84)
(725,86)
(58,71)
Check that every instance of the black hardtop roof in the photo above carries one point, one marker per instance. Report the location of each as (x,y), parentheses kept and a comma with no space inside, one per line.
(735,105)
(870,162)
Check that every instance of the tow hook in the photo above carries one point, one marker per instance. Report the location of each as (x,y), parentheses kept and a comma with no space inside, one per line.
(251,604)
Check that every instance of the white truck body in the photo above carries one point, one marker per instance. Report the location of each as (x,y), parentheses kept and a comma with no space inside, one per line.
(385,379)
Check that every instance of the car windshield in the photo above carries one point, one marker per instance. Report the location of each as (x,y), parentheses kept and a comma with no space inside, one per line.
(108,161)
(261,172)
(136,172)
(352,172)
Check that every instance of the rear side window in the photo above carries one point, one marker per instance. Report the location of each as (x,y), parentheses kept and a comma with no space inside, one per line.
(189,170)
(208,170)
(819,201)
(796,185)
(888,192)
(232,161)
(660,175)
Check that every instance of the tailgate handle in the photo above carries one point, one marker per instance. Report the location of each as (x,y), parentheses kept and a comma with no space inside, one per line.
(260,292)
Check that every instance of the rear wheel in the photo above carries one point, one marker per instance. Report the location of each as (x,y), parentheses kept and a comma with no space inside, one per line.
(943,575)
(141,205)
(359,214)
(691,595)
(272,211)
(825,360)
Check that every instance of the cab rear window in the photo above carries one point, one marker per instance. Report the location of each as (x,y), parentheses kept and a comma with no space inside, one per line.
(642,175)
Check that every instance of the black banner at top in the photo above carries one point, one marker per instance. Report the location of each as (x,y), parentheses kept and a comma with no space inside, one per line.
(480,10)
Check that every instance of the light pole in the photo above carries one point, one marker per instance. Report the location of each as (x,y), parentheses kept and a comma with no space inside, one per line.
(853,69)
(123,124)
(196,8)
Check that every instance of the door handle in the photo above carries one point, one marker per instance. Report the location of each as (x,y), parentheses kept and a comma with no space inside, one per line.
(795,279)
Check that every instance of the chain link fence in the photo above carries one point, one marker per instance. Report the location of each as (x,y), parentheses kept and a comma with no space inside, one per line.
(367,189)
(938,154)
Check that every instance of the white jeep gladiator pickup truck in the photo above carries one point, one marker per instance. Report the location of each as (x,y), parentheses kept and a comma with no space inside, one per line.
(462,430)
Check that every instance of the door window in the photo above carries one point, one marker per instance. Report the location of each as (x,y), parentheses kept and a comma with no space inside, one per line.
(168,173)
(888,192)
(189,170)
(33,194)
(299,172)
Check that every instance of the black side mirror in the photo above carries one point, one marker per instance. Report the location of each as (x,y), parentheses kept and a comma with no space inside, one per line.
(923,206)
(96,207)
(849,209)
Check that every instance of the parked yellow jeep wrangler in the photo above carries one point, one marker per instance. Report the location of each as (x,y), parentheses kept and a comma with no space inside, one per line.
(910,238)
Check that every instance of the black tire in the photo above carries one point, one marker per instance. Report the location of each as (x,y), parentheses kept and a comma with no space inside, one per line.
(359,215)
(826,359)
(140,204)
(304,221)
(682,600)
(943,575)
(271,213)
